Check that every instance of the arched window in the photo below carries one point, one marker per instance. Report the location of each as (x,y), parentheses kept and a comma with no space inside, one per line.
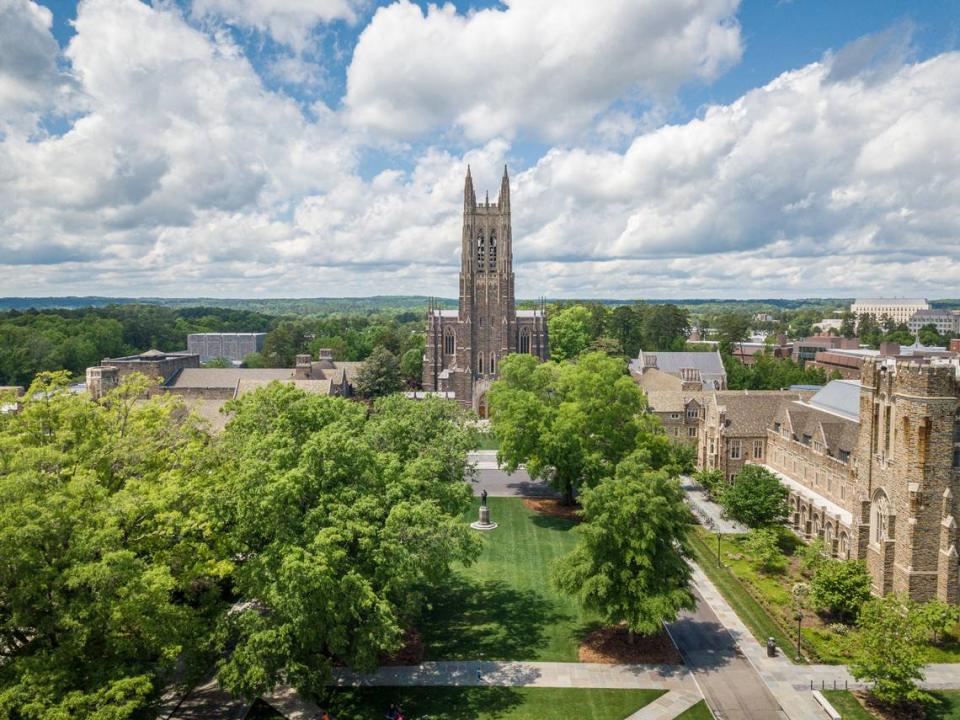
(480,363)
(843,546)
(493,251)
(493,364)
(449,342)
(828,535)
(481,252)
(879,517)
(524,344)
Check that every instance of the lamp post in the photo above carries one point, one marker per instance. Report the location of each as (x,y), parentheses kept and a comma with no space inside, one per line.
(799,618)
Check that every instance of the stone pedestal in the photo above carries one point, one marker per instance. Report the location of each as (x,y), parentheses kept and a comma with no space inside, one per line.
(484,522)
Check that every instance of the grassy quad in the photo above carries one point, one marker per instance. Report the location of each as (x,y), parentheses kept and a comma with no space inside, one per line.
(947,706)
(763,602)
(487,703)
(504,606)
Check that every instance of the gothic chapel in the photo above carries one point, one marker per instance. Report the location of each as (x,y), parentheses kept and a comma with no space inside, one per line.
(465,346)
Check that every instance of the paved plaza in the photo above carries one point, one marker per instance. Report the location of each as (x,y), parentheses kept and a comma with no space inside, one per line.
(498,483)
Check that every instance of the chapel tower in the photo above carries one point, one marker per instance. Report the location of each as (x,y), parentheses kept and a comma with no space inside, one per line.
(465,347)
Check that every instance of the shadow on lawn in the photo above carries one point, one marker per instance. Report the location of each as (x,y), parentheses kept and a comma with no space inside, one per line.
(464,703)
(474,620)
(552,522)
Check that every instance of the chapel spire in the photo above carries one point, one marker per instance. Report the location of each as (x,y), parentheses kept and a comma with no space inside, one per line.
(469,198)
(504,201)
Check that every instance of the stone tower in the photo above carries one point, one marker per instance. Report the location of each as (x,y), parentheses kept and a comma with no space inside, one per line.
(907,478)
(465,347)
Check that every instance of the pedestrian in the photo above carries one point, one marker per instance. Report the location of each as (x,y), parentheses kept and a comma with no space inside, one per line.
(392,712)
(479,676)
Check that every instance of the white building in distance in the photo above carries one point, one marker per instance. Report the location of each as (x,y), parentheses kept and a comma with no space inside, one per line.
(900,310)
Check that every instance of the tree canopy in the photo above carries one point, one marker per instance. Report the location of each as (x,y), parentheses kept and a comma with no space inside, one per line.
(629,563)
(379,375)
(571,423)
(340,521)
(755,497)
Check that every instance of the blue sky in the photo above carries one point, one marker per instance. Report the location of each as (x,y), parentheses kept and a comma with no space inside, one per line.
(277,148)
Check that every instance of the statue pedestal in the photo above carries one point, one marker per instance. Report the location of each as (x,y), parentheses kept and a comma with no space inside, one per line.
(484,522)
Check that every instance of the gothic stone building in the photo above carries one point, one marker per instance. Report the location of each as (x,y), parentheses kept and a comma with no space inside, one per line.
(873,470)
(465,346)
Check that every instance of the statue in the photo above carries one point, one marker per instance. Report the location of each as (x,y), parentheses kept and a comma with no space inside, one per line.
(484,523)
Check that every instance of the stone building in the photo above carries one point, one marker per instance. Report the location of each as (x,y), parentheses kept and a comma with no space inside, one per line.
(232,346)
(873,470)
(733,431)
(465,346)
(153,363)
(680,413)
(679,371)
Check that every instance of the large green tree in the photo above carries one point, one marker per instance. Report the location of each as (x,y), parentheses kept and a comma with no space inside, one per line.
(107,576)
(629,564)
(755,497)
(840,587)
(571,423)
(339,521)
(888,649)
(379,375)
(569,332)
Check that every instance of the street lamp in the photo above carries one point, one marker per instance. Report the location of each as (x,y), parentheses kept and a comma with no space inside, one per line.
(799,618)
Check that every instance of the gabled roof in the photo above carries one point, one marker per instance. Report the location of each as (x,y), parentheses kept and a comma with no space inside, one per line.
(749,413)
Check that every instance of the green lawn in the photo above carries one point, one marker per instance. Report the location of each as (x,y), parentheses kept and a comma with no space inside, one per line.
(700,711)
(488,441)
(946,707)
(488,703)
(504,606)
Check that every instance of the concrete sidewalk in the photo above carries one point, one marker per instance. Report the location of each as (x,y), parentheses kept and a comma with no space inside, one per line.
(524,674)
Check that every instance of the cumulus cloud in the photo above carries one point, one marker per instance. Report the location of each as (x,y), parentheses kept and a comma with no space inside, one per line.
(289,22)
(546,66)
(177,126)
(29,78)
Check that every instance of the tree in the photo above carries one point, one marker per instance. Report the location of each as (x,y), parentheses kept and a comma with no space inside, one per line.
(756,497)
(732,329)
(379,375)
(108,577)
(339,523)
(666,327)
(712,481)
(254,360)
(625,326)
(888,653)
(840,588)
(764,545)
(411,367)
(938,617)
(570,423)
(569,334)
(218,362)
(629,564)
(812,556)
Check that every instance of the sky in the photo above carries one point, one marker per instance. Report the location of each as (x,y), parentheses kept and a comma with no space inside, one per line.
(305,148)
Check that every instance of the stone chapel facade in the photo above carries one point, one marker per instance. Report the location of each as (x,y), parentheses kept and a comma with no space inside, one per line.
(465,346)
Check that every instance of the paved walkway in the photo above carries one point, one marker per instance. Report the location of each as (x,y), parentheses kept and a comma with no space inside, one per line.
(667,706)
(709,513)
(525,674)
(488,475)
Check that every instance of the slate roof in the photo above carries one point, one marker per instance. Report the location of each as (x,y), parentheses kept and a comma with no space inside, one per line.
(749,413)
(709,364)
(671,400)
(834,431)
(202,378)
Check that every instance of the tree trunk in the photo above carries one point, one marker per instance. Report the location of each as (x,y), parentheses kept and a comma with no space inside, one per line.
(630,636)
(567,494)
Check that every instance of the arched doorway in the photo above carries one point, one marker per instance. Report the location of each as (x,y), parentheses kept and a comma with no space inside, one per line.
(482,406)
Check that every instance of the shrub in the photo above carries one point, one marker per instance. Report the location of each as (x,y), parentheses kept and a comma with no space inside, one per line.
(812,556)
(712,481)
(764,545)
(840,587)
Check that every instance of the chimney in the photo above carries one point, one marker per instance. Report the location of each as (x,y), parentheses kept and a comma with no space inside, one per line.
(304,367)
(889,349)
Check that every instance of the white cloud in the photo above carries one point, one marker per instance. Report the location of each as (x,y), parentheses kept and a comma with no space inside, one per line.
(547,66)
(28,53)
(289,22)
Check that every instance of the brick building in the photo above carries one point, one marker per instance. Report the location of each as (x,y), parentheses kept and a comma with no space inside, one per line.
(465,346)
